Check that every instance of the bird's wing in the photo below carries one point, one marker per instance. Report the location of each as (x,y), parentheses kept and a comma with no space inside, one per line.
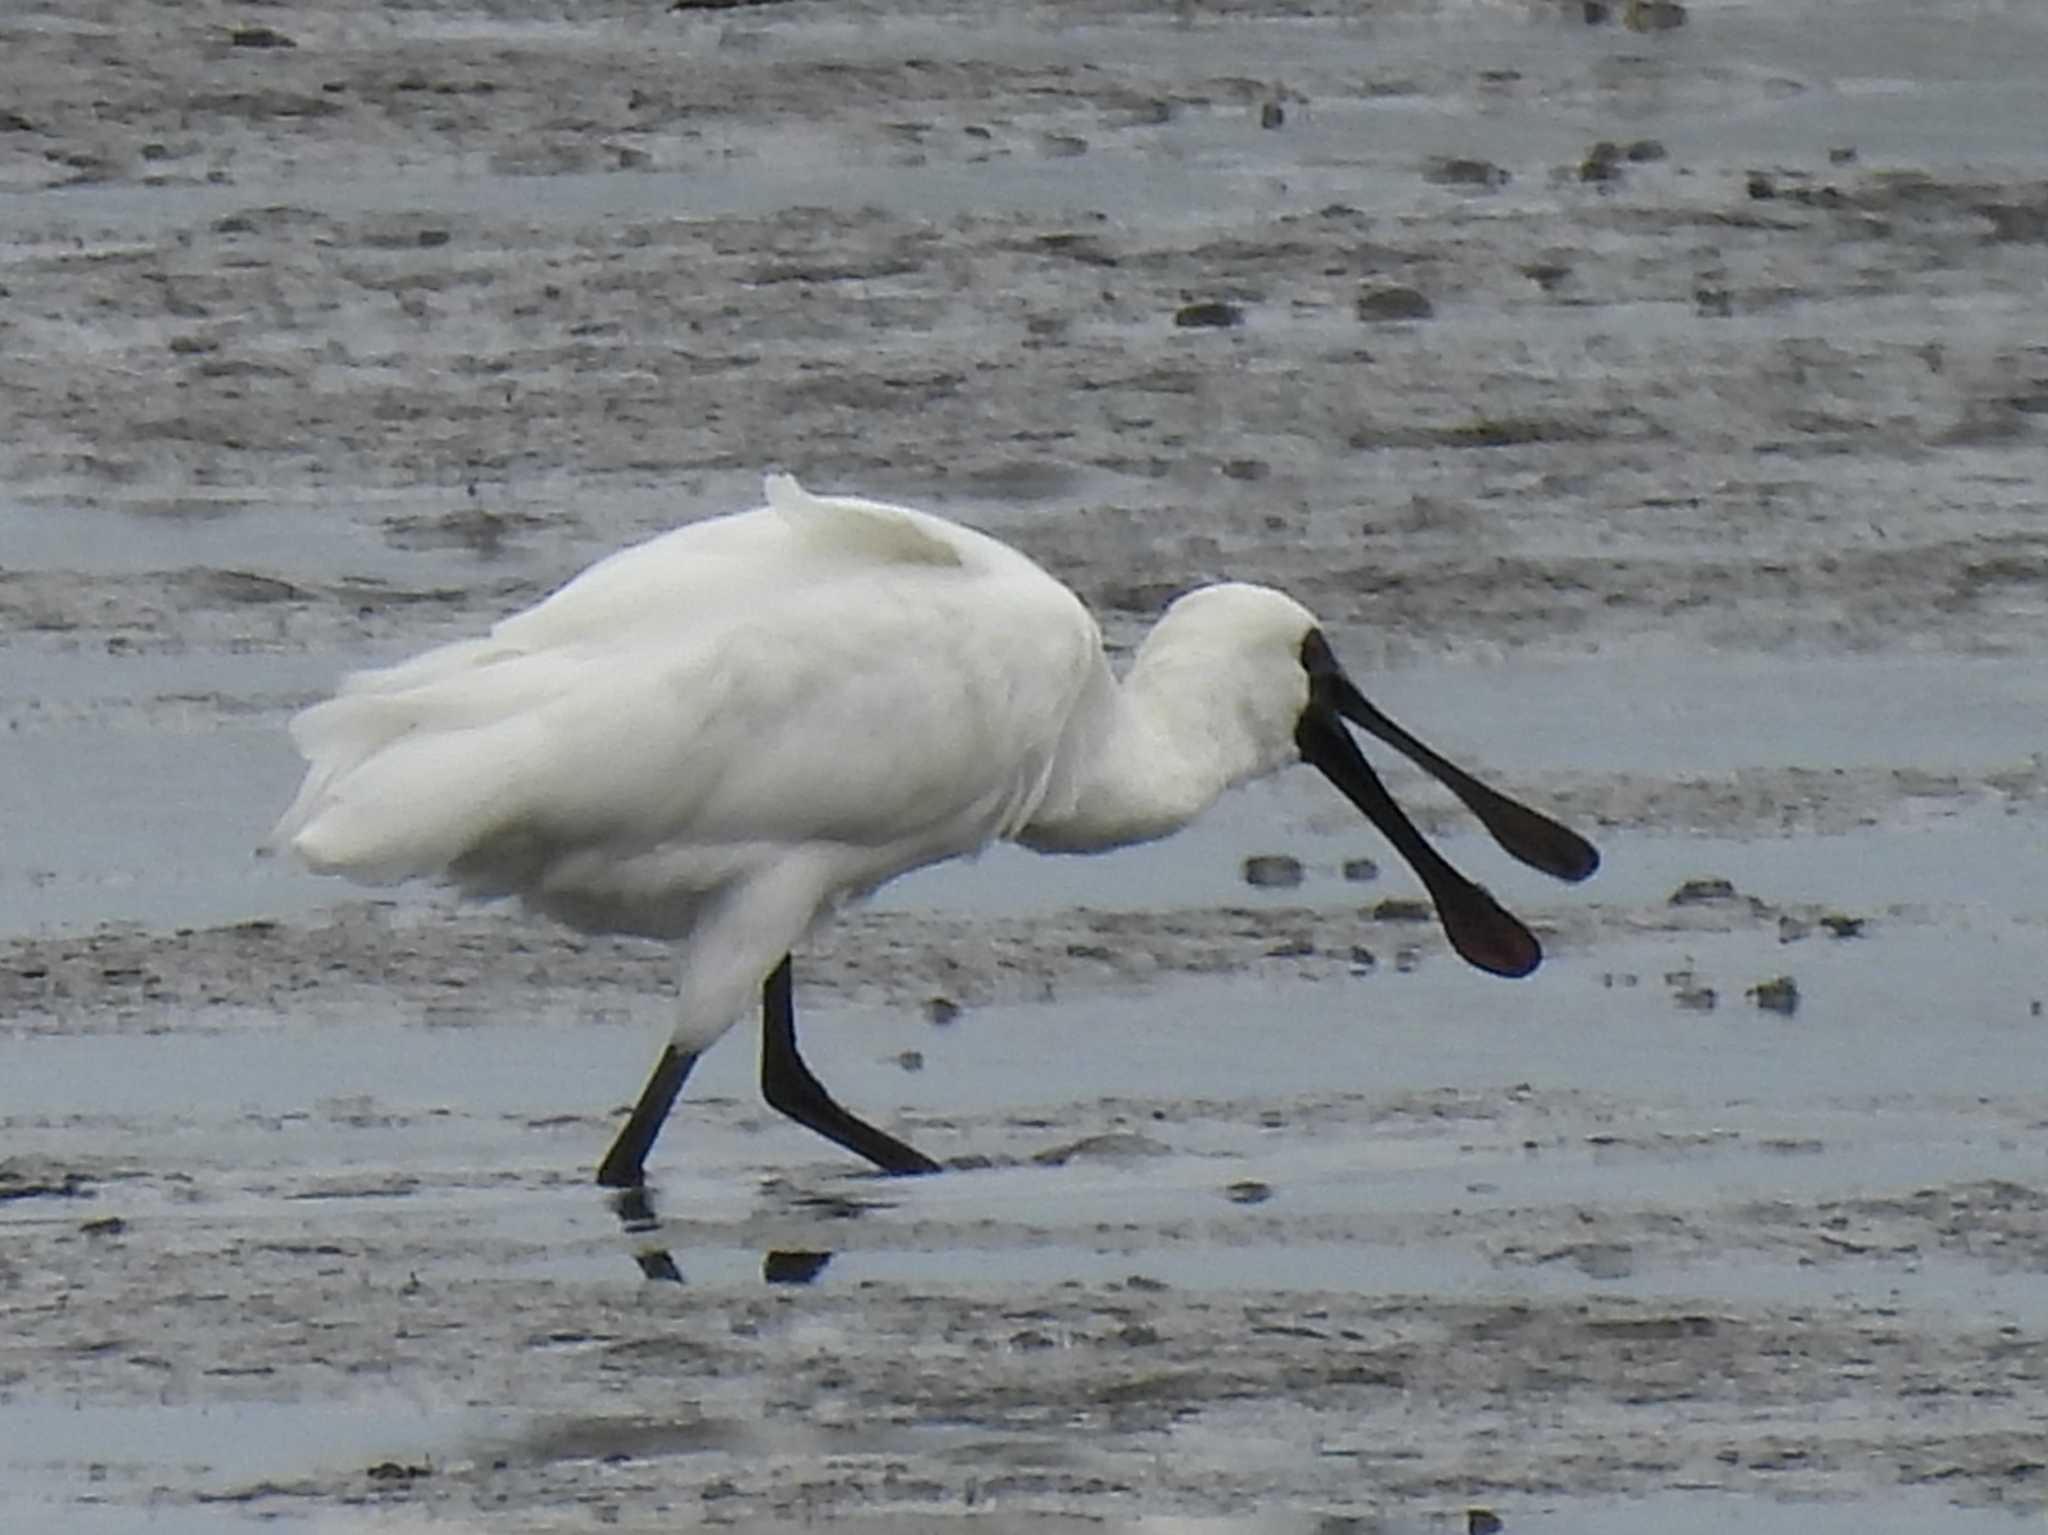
(734,561)
(898,717)
(681,585)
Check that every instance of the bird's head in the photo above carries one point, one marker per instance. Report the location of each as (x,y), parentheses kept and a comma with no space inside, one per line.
(1270,665)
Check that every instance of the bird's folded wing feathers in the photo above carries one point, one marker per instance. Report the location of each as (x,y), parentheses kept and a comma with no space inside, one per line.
(725,562)
(846,712)
(684,584)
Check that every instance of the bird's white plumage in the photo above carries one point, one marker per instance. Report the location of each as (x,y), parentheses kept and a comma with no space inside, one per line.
(720,734)
(717,735)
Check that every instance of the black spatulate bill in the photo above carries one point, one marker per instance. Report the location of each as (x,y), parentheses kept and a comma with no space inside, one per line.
(1478,927)
(1480,930)
(1525,834)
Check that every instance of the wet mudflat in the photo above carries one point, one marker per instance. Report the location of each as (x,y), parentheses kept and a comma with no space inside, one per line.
(1691,487)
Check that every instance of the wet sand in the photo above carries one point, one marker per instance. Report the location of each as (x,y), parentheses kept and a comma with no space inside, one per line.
(1703,505)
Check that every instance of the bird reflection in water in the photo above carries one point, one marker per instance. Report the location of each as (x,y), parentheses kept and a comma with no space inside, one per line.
(637,1217)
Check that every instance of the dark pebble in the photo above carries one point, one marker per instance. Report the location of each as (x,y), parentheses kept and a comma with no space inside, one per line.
(1602,162)
(1456,171)
(392,1471)
(1270,871)
(1213,313)
(1653,15)
(1702,892)
(1401,909)
(1393,303)
(1780,995)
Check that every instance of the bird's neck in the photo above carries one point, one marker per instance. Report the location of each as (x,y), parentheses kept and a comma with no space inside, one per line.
(1148,756)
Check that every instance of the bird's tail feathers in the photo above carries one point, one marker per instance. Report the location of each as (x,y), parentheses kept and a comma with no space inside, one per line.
(412,809)
(410,756)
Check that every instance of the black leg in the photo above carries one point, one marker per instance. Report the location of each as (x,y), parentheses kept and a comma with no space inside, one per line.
(787,1084)
(622,1165)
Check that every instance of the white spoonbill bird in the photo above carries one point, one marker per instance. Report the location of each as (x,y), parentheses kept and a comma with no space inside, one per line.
(720,735)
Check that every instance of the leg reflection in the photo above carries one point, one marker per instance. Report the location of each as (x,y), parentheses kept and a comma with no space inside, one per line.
(793,1267)
(655,1263)
(635,1209)
(638,1218)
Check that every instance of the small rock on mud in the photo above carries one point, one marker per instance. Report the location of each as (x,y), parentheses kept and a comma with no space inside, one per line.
(1703,892)
(1213,314)
(1778,995)
(1455,171)
(1385,305)
(1272,871)
(1401,909)
(1602,162)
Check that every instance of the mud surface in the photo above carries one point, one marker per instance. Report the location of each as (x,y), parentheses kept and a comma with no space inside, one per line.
(1690,485)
